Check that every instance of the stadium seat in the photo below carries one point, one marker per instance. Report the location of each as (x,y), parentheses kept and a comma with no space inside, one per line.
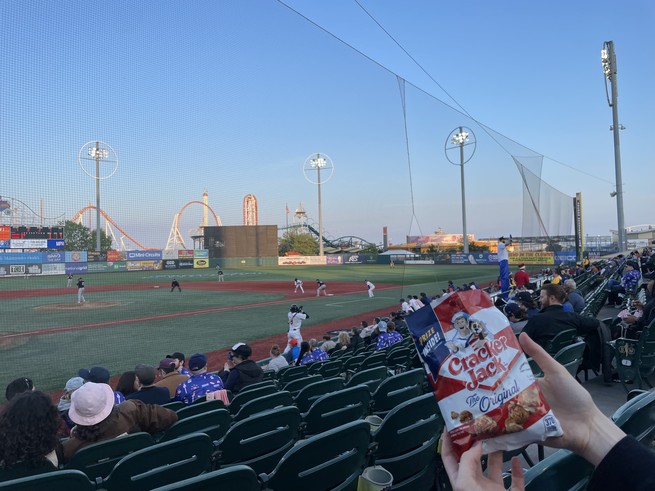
(330,461)
(161,464)
(203,407)
(174,405)
(635,417)
(23,470)
(66,480)
(561,470)
(99,459)
(331,369)
(239,477)
(269,375)
(352,364)
(371,378)
(373,360)
(562,340)
(337,354)
(398,359)
(287,374)
(314,367)
(407,443)
(336,408)
(571,357)
(297,385)
(244,397)
(258,385)
(306,397)
(212,423)
(261,440)
(397,389)
(272,401)
(635,359)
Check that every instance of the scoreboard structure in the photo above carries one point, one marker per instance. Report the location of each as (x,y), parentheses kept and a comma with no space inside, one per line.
(24,237)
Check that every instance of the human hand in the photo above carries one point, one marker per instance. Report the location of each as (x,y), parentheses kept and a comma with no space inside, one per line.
(587,431)
(228,365)
(466,474)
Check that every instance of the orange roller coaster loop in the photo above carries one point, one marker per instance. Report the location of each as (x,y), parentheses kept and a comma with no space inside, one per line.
(109,219)
(216,219)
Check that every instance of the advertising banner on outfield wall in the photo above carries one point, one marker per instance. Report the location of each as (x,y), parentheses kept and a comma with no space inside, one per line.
(201,253)
(76,256)
(170,263)
(118,266)
(185,254)
(353,259)
(53,268)
(531,258)
(76,268)
(5,232)
(474,258)
(143,255)
(200,263)
(301,261)
(114,256)
(96,267)
(143,265)
(4,270)
(169,254)
(56,243)
(17,269)
(334,259)
(565,257)
(5,243)
(185,263)
(96,257)
(33,268)
(21,258)
(54,257)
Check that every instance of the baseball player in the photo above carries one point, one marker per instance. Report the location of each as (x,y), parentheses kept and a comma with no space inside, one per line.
(370,287)
(320,288)
(295,316)
(175,284)
(298,284)
(80,290)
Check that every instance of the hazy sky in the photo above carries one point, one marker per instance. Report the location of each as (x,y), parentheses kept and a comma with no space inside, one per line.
(232,96)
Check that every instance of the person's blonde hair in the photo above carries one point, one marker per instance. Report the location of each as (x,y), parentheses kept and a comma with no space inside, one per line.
(275,350)
(343,338)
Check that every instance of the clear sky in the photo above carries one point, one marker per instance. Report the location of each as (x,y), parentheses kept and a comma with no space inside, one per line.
(232,96)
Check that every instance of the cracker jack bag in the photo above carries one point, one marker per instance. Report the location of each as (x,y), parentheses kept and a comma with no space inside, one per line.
(480,376)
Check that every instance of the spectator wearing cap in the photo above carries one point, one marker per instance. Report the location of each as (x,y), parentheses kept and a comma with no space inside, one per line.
(100,375)
(97,418)
(170,378)
(18,386)
(527,303)
(239,370)
(179,363)
(199,383)
(388,336)
(629,281)
(148,392)
(573,296)
(314,353)
(553,319)
(65,400)
(521,278)
(516,316)
(293,353)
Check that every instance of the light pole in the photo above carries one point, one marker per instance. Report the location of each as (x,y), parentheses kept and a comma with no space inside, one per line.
(316,163)
(97,152)
(458,139)
(608,60)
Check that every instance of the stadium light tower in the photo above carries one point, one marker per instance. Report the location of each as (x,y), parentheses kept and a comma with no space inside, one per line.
(608,61)
(456,142)
(97,152)
(317,163)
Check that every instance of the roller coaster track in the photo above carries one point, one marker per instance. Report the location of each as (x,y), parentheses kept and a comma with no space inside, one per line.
(78,217)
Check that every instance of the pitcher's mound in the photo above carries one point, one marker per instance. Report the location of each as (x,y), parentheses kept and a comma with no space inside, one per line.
(78,306)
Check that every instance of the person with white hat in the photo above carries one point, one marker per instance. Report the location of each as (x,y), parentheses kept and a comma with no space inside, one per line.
(96,417)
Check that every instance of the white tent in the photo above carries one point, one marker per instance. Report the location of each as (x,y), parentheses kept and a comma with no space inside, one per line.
(397,253)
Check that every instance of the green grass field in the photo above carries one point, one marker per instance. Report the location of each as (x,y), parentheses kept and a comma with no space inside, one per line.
(146,323)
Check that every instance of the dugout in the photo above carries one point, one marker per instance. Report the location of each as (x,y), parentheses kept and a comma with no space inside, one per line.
(241,241)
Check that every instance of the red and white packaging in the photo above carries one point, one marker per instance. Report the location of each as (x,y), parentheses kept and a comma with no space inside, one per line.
(481,379)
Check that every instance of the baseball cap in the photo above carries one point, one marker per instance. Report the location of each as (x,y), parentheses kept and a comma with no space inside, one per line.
(293,342)
(633,264)
(197,362)
(91,404)
(73,384)
(521,266)
(98,375)
(524,297)
(242,350)
(177,355)
(382,326)
(512,308)
(166,363)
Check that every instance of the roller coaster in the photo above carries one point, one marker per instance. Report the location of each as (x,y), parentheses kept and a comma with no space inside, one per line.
(348,243)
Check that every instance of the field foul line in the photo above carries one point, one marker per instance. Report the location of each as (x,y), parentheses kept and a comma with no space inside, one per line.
(366,299)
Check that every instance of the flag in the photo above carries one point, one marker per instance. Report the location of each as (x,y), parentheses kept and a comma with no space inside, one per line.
(287,209)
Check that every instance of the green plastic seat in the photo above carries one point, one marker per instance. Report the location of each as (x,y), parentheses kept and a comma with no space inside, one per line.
(269,375)
(330,461)
(561,470)
(272,401)
(378,359)
(238,477)
(407,441)
(214,424)
(635,417)
(161,464)
(397,389)
(261,440)
(311,392)
(199,408)
(295,386)
(292,372)
(330,369)
(562,340)
(99,459)
(398,359)
(352,364)
(314,367)
(24,470)
(571,357)
(244,397)
(371,378)
(335,409)
(65,480)
(635,359)
(174,405)
(258,385)
(337,354)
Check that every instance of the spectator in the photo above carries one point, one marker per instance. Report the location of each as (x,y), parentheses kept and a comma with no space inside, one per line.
(100,375)
(199,383)
(414,302)
(304,349)
(292,355)
(388,336)
(525,301)
(28,428)
(240,371)
(648,314)
(314,353)
(574,297)
(425,300)
(552,319)
(170,378)
(356,340)
(629,281)
(97,418)
(521,278)
(516,316)
(65,400)
(18,386)
(328,345)
(277,360)
(148,392)
(126,384)
(179,363)
(404,306)
(343,340)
